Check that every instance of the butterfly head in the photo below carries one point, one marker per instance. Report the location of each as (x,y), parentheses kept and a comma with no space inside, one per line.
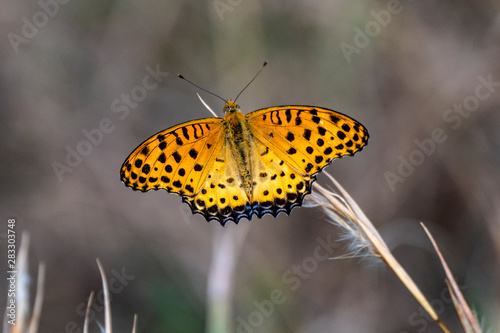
(231,106)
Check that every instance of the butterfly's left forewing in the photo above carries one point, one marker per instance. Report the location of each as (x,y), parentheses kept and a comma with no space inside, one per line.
(176,159)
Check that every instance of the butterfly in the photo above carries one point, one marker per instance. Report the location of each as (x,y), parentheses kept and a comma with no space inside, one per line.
(230,168)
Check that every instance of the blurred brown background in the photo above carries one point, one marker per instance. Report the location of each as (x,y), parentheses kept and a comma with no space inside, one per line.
(404,69)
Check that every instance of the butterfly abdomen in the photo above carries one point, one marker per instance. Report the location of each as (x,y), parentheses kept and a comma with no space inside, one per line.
(238,139)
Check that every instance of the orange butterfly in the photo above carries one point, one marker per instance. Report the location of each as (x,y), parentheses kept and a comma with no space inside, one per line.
(260,163)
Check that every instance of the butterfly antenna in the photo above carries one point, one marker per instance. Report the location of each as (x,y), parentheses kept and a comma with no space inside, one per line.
(197,86)
(264,65)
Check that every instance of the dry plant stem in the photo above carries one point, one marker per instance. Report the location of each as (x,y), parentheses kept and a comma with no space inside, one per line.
(107,306)
(87,313)
(206,105)
(134,329)
(382,251)
(227,243)
(466,317)
(22,290)
(460,310)
(22,293)
(37,307)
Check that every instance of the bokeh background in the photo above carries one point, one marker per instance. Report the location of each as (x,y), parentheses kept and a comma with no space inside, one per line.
(403,69)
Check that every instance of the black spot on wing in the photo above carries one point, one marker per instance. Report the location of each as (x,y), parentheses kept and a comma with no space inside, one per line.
(198,131)
(276,114)
(307,134)
(193,153)
(346,127)
(266,152)
(177,157)
(185,133)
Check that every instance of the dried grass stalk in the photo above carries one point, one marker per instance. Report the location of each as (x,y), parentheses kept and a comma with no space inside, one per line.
(345,212)
(467,318)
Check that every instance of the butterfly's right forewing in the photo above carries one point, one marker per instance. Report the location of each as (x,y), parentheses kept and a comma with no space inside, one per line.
(308,138)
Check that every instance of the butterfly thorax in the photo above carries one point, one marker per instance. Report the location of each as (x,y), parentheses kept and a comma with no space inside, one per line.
(238,139)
